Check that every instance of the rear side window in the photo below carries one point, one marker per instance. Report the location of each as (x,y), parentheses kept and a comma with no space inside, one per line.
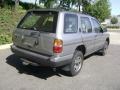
(44,21)
(70,23)
(86,25)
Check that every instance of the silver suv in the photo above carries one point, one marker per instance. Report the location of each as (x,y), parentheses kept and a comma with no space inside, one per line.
(58,39)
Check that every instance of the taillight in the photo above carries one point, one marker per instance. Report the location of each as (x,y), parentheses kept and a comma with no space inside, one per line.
(58,46)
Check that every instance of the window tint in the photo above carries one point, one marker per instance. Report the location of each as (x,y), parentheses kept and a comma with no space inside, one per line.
(96,25)
(86,25)
(30,21)
(70,23)
(41,21)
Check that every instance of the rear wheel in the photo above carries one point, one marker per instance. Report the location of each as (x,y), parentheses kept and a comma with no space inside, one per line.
(76,64)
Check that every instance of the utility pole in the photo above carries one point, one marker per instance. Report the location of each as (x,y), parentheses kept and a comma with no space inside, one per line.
(80,5)
(16,4)
(35,3)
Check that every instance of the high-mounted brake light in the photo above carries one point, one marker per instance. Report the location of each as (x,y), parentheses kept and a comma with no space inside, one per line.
(58,46)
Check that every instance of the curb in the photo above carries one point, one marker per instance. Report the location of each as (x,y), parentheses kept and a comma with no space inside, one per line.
(113,30)
(6,46)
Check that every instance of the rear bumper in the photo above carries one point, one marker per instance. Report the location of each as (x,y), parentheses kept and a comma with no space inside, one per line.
(41,59)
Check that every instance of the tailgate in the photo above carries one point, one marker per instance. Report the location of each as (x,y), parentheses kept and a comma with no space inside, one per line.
(36,32)
(37,42)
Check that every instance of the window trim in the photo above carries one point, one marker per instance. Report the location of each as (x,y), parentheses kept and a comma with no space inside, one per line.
(64,24)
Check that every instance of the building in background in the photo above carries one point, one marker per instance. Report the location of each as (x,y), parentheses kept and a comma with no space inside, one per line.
(108,23)
(118,17)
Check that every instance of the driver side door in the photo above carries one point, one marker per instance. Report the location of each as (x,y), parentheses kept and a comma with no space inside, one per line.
(99,37)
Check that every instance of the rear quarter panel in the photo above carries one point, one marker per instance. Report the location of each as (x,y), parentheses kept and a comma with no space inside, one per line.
(70,40)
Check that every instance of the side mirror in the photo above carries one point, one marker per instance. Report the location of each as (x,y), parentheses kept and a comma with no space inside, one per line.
(104,29)
(101,30)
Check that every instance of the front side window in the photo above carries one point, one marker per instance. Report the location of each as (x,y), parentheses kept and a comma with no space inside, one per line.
(97,26)
(41,21)
(86,25)
(70,23)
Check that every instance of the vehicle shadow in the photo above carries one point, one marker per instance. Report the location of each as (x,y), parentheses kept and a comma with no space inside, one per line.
(40,72)
(93,54)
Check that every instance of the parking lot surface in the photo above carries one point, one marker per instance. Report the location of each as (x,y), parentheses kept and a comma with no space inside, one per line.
(98,72)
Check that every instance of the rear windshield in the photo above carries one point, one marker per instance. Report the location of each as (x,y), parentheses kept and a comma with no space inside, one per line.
(44,21)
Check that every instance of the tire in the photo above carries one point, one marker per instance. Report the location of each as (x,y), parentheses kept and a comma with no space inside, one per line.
(77,62)
(104,50)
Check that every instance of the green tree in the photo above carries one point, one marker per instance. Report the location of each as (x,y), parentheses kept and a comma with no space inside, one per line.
(67,4)
(114,20)
(1,3)
(63,4)
(97,8)
(87,6)
(102,10)
(10,3)
(47,3)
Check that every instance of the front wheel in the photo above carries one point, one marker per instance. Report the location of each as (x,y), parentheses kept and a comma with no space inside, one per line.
(104,50)
(77,62)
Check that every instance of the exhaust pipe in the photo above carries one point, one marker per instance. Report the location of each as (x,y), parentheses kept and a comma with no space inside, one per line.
(26,62)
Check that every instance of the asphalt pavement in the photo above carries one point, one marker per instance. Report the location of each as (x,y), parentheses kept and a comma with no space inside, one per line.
(98,72)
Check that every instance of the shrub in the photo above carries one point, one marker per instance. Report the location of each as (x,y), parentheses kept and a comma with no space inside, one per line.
(113,26)
(8,21)
(114,20)
(5,38)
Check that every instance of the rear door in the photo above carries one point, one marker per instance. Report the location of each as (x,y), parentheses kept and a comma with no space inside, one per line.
(87,34)
(36,31)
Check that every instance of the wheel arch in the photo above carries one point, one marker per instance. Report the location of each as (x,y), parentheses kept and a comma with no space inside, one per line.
(81,48)
(108,40)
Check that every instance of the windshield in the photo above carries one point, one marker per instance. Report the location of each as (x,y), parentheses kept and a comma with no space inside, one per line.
(39,20)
